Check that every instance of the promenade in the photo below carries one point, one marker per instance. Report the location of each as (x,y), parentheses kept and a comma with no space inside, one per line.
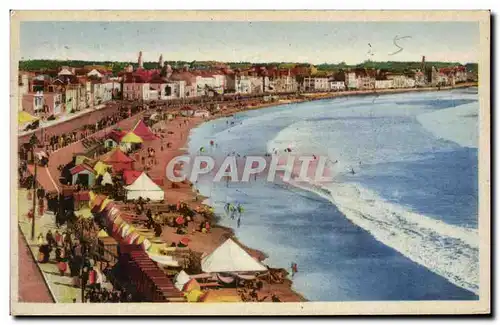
(60,287)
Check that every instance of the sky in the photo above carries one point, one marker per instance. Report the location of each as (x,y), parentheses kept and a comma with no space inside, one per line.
(313,42)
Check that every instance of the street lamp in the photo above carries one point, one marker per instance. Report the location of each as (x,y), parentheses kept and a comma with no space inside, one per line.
(33,141)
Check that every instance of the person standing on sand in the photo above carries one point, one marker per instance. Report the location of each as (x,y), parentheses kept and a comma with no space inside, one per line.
(294,268)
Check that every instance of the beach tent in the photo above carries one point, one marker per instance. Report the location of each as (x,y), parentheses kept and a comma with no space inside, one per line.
(101,168)
(118,160)
(143,131)
(83,174)
(191,285)
(129,141)
(181,279)
(144,187)
(24,117)
(230,257)
(106,179)
(114,138)
(164,260)
(102,234)
(129,176)
(193,295)
(131,138)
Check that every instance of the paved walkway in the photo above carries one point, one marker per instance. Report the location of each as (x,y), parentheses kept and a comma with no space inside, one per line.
(60,286)
(31,283)
(64,118)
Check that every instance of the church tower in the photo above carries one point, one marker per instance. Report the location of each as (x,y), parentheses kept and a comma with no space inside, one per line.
(139,61)
(160,62)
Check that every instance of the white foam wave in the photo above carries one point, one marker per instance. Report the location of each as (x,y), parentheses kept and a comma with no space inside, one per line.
(447,250)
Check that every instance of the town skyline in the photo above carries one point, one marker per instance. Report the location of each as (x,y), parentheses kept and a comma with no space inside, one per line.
(255,42)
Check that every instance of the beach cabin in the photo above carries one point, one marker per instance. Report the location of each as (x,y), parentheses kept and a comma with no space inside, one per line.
(130,142)
(201,113)
(144,187)
(118,160)
(82,174)
(143,131)
(114,138)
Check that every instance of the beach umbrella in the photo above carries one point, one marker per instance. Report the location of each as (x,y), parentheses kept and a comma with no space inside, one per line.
(24,117)
(102,234)
(146,244)
(185,241)
(179,220)
(106,179)
(191,285)
(193,295)
(131,138)
(101,168)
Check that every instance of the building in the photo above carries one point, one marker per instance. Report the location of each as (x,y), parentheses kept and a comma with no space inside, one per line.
(140,63)
(136,91)
(285,84)
(209,84)
(70,98)
(23,88)
(315,84)
(351,80)
(401,80)
(420,79)
(38,103)
(186,83)
(243,85)
(337,85)
(384,84)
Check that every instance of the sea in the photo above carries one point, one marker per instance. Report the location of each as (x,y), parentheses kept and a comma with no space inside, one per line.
(399,219)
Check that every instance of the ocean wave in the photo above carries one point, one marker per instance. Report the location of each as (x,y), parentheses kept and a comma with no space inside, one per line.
(449,251)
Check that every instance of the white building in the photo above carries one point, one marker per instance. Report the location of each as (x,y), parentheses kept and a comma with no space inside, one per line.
(207,84)
(384,84)
(256,84)
(337,85)
(351,81)
(23,88)
(243,85)
(315,84)
(170,89)
(403,81)
(136,91)
(285,84)
(107,91)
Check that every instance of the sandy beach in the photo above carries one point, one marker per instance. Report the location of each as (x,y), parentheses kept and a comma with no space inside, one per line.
(181,127)
(173,141)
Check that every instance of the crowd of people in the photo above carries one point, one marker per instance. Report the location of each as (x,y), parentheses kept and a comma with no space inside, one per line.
(100,295)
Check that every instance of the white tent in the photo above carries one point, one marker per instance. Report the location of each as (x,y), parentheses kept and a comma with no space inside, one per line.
(164,260)
(106,179)
(181,279)
(230,257)
(144,187)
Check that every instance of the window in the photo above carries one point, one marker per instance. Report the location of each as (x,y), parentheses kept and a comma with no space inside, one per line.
(168,91)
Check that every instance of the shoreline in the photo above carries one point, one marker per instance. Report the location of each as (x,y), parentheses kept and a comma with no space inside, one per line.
(227,231)
(208,242)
